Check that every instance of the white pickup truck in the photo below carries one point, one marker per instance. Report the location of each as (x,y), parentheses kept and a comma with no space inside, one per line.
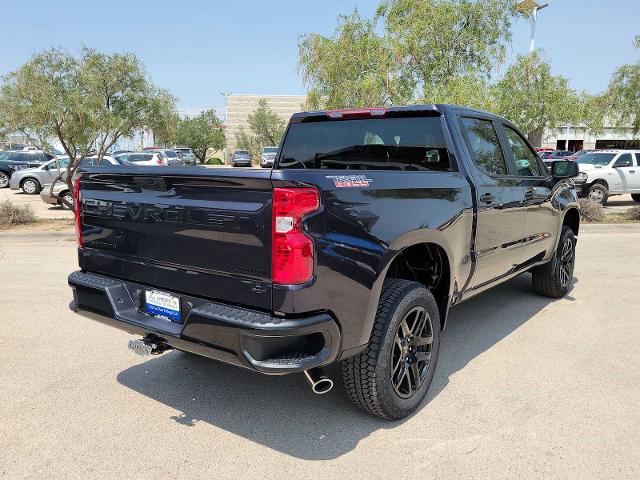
(608,172)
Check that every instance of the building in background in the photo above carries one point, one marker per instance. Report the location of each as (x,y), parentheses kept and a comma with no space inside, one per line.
(239,107)
(576,138)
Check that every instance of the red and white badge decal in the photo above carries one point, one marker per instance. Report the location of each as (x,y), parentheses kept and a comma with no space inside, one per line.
(347,181)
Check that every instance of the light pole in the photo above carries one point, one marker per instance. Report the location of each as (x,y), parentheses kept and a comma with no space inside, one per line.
(533,7)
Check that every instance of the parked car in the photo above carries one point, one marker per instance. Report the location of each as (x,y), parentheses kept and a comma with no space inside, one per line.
(543,149)
(579,153)
(147,158)
(170,156)
(352,249)
(31,180)
(60,189)
(11,161)
(241,158)
(268,156)
(187,155)
(556,154)
(604,173)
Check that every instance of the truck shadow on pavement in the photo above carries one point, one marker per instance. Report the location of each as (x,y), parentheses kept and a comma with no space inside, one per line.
(283,414)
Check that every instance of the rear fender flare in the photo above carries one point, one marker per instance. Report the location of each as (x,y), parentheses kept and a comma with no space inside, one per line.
(407,240)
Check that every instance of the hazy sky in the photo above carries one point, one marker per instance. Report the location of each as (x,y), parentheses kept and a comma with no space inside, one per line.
(198,49)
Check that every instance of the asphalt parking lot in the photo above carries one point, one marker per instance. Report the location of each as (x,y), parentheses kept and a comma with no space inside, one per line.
(525,387)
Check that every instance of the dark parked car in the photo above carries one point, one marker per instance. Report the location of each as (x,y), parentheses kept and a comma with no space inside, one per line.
(12,160)
(556,154)
(372,224)
(241,158)
(576,155)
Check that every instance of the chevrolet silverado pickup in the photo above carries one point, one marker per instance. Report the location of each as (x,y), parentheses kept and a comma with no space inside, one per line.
(371,225)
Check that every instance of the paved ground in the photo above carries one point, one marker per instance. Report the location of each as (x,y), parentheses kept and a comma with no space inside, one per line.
(525,387)
(41,209)
(620,204)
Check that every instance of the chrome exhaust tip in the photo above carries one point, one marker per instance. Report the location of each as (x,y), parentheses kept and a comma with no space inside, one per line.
(320,383)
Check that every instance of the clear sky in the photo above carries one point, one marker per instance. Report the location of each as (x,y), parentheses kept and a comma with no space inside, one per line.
(198,49)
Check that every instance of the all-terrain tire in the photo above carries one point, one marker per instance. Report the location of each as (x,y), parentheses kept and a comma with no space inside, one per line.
(368,376)
(555,277)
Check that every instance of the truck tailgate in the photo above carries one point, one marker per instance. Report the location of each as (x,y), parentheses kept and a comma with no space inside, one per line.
(206,232)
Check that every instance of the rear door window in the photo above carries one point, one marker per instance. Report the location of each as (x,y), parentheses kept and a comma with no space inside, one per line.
(392,143)
(484,145)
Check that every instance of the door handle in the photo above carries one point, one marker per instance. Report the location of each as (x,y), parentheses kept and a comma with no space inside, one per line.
(488,198)
(632,171)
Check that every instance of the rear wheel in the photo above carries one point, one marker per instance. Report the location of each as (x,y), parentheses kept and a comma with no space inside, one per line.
(554,278)
(636,197)
(598,193)
(4,180)
(66,195)
(31,186)
(391,377)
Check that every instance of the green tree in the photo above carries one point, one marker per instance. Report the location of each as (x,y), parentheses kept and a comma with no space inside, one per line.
(266,125)
(86,102)
(201,133)
(266,128)
(354,68)
(623,95)
(534,99)
(411,51)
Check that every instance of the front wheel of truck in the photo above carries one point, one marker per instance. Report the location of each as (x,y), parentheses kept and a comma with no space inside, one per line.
(391,377)
(554,278)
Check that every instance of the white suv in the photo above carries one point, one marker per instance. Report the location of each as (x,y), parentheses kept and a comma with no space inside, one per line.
(608,172)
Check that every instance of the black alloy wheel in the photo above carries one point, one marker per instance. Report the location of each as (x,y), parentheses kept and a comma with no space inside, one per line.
(411,353)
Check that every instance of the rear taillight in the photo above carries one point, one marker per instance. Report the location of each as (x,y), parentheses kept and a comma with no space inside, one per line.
(292,249)
(77,207)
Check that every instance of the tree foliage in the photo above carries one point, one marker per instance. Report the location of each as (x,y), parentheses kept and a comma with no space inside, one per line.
(86,102)
(533,98)
(201,133)
(266,128)
(623,95)
(424,50)
(266,125)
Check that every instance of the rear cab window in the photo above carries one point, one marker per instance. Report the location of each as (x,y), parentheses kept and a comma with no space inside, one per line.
(414,143)
(484,145)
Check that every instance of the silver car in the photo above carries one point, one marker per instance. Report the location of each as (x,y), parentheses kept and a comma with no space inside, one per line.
(268,156)
(187,155)
(61,190)
(31,180)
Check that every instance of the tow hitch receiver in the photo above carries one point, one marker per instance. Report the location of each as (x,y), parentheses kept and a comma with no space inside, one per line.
(146,346)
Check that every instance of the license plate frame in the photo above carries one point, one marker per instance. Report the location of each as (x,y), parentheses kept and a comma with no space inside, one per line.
(163,304)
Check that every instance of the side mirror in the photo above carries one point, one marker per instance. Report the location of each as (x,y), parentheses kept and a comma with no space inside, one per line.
(46,167)
(564,169)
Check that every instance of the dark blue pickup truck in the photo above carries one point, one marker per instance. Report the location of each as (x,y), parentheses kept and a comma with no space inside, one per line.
(370,226)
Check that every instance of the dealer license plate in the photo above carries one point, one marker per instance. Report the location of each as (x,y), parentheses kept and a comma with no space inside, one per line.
(163,304)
